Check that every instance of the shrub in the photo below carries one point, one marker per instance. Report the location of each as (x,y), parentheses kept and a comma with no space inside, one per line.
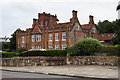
(109,50)
(9,54)
(44,53)
(21,50)
(86,46)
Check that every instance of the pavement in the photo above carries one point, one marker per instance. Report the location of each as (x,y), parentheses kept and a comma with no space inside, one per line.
(89,71)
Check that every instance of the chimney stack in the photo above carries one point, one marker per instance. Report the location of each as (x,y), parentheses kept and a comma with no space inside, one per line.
(74,13)
(91,19)
(34,21)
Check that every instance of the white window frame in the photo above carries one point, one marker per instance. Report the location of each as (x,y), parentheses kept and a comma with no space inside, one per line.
(38,38)
(50,46)
(33,47)
(56,37)
(64,36)
(56,46)
(50,37)
(38,47)
(33,38)
(64,46)
(23,39)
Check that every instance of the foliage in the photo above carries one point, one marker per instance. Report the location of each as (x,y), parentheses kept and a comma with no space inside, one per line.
(44,53)
(21,50)
(6,46)
(84,47)
(116,39)
(108,50)
(13,40)
(107,26)
(9,54)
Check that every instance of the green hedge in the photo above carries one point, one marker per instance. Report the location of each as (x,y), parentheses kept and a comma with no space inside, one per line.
(9,54)
(44,53)
(108,51)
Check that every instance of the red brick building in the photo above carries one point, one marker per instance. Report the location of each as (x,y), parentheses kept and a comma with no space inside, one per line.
(46,33)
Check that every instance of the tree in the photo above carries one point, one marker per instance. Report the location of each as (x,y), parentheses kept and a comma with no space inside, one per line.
(5,46)
(116,39)
(86,46)
(107,26)
(13,40)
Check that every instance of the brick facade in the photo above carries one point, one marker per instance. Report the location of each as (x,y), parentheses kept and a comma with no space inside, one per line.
(46,33)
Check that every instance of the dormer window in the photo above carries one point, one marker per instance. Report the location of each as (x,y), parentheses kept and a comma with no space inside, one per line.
(41,23)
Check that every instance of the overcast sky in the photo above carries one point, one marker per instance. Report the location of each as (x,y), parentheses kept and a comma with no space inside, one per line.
(16,14)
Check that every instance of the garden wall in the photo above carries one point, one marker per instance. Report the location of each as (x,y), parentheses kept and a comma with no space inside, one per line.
(56,61)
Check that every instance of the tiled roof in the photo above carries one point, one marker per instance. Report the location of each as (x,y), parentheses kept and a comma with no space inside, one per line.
(107,36)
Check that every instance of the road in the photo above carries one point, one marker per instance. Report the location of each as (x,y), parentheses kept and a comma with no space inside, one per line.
(8,75)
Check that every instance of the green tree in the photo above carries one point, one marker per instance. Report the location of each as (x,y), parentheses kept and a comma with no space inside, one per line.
(86,46)
(116,39)
(106,27)
(13,40)
(5,46)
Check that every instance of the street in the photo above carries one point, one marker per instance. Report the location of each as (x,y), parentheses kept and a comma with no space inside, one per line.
(7,75)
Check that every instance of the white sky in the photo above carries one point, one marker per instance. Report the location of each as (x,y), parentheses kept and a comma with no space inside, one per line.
(20,13)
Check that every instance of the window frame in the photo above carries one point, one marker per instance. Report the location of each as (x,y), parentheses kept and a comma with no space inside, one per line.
(57,46)
(63,46)
(64,35)
(38,47)
(38,38)
(50,46)
(33,46)
(56,36)
(50,35)
(23,39)
(33,38)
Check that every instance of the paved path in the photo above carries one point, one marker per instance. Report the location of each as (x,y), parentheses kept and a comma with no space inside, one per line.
(78,71)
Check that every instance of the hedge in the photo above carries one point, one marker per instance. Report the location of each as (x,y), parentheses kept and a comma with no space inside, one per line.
(108,51)
(44,53)
(9,54)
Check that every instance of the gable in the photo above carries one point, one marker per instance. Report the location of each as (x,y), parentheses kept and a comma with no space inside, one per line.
(77,27)
(36,29)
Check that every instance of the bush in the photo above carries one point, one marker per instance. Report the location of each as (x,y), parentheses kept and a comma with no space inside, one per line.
(86,46)
(44,53)
(21,50)
(109,50)
(9,54)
